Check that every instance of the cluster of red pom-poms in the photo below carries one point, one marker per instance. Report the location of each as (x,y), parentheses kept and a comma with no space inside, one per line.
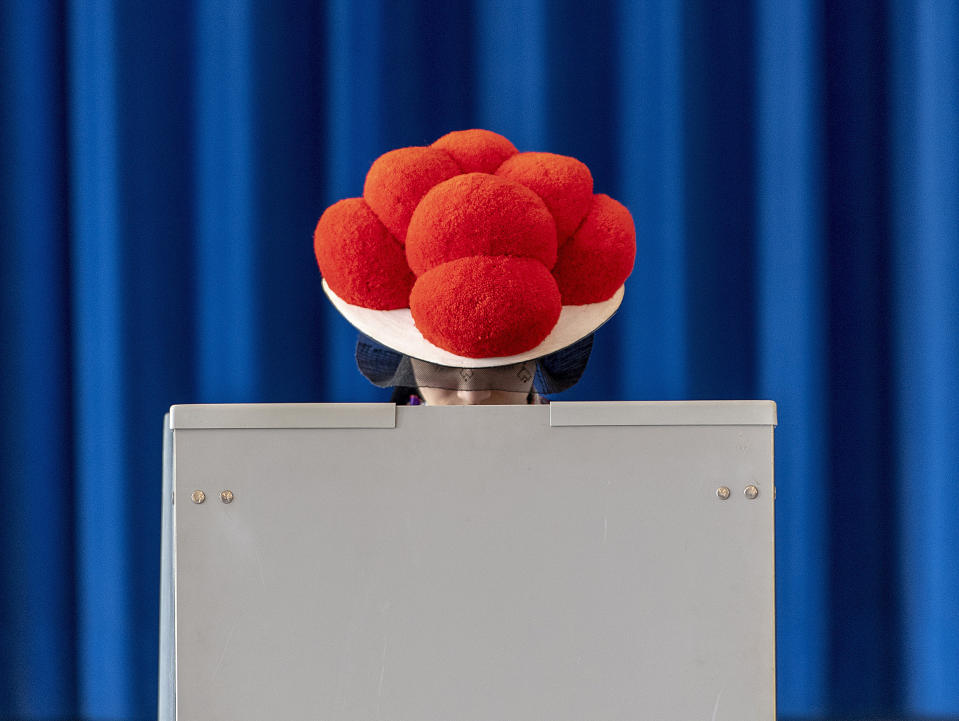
(483,243)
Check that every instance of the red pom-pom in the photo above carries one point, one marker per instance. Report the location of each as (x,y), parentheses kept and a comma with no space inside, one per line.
(361,262)
(479,214)
(564,183)
(398,179)
(486,307)
(599,257)
(476,151)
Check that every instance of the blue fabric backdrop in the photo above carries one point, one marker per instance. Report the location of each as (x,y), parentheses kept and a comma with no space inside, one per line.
(793,169)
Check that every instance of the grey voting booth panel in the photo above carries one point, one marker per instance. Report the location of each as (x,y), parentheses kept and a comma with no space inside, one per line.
(569,562)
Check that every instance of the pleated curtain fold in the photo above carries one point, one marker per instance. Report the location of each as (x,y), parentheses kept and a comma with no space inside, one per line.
(793,171)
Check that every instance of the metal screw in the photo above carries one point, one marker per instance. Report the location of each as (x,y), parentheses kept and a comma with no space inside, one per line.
(722,492)
(751,492)
(226,496)
(198,496)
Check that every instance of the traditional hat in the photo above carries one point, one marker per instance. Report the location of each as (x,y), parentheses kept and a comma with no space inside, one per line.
(468,253)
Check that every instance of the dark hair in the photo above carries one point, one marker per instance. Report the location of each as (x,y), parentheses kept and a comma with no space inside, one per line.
(402,394)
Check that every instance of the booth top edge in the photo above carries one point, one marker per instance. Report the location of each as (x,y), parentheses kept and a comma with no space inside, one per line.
(383,415)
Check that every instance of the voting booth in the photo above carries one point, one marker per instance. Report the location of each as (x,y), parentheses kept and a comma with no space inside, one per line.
(561,562)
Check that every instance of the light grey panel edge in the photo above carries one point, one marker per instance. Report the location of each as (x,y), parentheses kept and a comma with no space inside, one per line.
(662,413)
(283,415)
(166,699)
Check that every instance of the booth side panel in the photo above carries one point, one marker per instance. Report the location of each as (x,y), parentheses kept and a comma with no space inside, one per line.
(166,700)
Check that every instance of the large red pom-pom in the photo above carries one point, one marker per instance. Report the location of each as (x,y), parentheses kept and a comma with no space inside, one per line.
(361,262)
(479,214)
(476,151)
(599,257)
(486,307)
(564,183)
(398,179)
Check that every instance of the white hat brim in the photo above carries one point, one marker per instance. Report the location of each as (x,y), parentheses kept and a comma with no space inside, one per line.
(396,330)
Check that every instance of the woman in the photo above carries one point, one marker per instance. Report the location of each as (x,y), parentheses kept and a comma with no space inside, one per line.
(475,273)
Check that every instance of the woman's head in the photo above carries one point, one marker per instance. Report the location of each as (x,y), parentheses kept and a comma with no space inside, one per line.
(501,385)
(437,384)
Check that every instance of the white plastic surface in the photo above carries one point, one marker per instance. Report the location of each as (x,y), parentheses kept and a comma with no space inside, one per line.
(663,413)
(475,564)
(283,415)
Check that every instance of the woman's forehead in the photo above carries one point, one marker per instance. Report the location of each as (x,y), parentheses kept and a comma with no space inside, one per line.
(522,371)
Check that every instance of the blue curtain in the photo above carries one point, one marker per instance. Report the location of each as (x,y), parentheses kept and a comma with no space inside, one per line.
(793,169)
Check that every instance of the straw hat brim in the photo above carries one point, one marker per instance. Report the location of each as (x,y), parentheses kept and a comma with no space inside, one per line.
(396,330)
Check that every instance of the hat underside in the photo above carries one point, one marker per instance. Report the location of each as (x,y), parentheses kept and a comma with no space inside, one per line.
(395,329)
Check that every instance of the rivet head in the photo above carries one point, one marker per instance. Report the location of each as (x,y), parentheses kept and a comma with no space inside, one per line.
(198,496)
(722,492)
(751,492)
(226,496)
